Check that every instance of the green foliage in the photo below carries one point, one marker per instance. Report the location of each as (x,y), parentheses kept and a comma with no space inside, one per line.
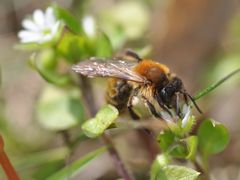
(160,170)
(177,147)
(73,47)
(213,137)
(166,139)
(161,161)
(77,165)
(215,85)
(59,109)
(103,119)
(45,63)
(182,128)
(37,159)
(47,169)
(103,47)
(192,144)
(71,22)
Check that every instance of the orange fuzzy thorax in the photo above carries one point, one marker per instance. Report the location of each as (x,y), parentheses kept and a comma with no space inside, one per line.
(144,67)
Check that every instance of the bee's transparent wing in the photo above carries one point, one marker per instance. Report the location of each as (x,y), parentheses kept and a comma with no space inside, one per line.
(108,68)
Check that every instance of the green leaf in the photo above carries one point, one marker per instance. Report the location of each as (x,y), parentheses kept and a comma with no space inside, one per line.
(104,118)
(73,47)
(116,35)
(48,59)
(192,142)
(59,109)
(176,128)
(68,19)
(70,170)
(161,161)
(103,46)
(45,64)
(173,172)
(178,151)
(165,140)
(213,137)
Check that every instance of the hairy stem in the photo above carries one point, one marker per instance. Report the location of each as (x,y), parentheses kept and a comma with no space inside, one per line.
(214,85)
(91,106)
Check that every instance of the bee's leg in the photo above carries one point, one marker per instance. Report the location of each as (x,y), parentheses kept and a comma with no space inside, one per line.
(161,104)
(186,95)
(185,98)
(130,104)
(151,108)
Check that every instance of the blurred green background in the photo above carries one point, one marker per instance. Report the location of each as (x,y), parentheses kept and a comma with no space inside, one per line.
(199,40)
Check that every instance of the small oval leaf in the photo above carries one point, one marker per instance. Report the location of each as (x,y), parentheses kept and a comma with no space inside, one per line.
(103,119)
(213,137)
(161,161)
(173,172)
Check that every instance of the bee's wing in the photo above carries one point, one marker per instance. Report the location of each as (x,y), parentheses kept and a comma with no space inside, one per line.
(108,68)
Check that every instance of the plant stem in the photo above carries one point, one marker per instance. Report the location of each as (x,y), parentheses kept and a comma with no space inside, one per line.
(214,85)
(91,106)
(199,168)
(6,164)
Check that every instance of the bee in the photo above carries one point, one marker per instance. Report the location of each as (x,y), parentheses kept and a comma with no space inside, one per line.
(131,76)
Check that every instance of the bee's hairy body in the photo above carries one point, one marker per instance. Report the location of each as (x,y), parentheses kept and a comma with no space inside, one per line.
(159,91)
(131,76)
(118,93)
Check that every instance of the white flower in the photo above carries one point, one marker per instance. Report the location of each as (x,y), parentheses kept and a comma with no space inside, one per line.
(186,114)
(43,27)
(89,25)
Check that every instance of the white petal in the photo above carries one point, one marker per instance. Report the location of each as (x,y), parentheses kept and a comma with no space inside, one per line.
(186,116)
(38,18)
(89,25)
(50,17)
(55,28)
(185,109)
(29,25)
(46,38)
(29,36)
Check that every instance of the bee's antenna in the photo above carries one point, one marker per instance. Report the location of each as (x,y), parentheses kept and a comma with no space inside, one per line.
(195,104)
(131,53)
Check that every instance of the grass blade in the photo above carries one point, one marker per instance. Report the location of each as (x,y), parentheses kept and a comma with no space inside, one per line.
(73,168)
(207,90)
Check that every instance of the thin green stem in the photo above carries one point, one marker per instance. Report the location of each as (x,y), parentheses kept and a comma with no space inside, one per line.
(207,90)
